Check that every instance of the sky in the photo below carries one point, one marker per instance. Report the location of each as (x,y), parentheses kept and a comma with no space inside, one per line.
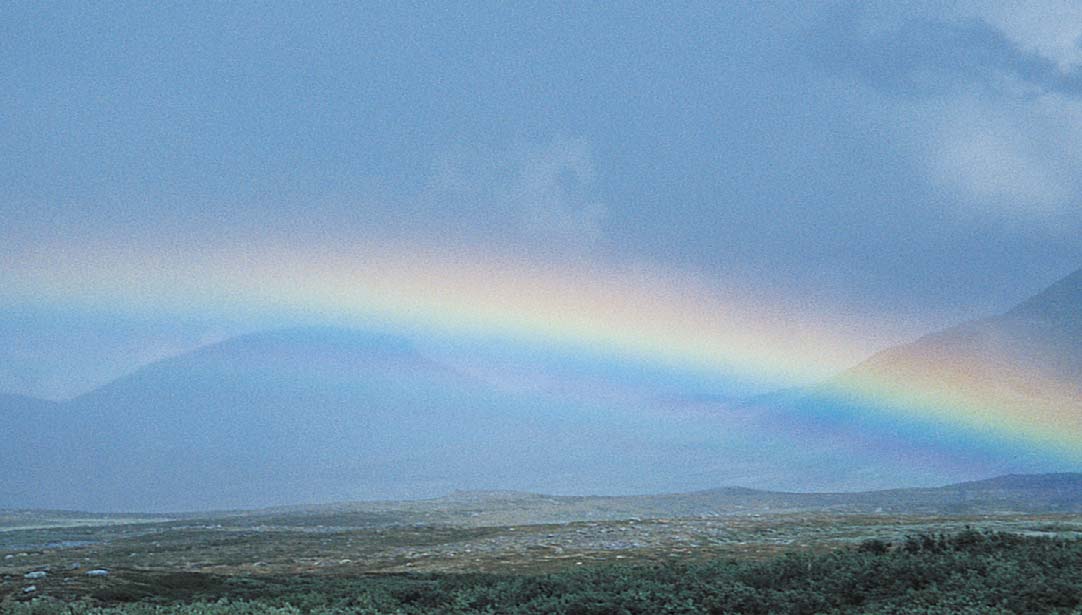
(829,177)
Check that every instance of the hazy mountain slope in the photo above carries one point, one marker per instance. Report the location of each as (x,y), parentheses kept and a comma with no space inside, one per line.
(27,449)
(1023,366)
(315,415)
(23,413)
(22,419)
(265,418)
(1032,350)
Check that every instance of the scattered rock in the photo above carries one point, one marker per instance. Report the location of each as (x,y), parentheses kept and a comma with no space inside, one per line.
(37,574)
(29,589)
(97,572)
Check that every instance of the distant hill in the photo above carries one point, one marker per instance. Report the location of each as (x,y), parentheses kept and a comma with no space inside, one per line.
(1011,494)
(1060,492)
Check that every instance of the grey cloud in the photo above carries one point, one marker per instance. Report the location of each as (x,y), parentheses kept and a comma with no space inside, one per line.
(535,194)
(922,56)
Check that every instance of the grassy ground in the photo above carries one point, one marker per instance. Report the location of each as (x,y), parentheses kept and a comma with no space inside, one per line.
(967,572)
(147,557)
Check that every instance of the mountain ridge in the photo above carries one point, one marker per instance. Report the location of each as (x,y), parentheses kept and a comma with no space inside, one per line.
(328,414)
(1023,365)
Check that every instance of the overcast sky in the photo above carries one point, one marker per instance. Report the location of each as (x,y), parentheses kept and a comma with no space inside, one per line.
(911,164)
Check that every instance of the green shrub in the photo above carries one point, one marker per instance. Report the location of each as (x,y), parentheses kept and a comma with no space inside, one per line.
(968,574)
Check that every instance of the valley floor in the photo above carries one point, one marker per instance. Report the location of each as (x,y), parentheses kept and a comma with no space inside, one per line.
(167,560)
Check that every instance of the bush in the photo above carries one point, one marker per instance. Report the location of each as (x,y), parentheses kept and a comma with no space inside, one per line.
(966,573)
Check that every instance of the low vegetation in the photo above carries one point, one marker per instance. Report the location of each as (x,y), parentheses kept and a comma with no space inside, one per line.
(970,572)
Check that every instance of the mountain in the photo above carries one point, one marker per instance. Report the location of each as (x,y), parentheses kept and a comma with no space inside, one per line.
(25,425)
(296,414)
(1021,369)
(1040,338)
(1024,366)
(321,414)
(20,414)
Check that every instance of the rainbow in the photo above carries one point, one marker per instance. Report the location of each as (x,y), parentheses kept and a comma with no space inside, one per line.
(673,319)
